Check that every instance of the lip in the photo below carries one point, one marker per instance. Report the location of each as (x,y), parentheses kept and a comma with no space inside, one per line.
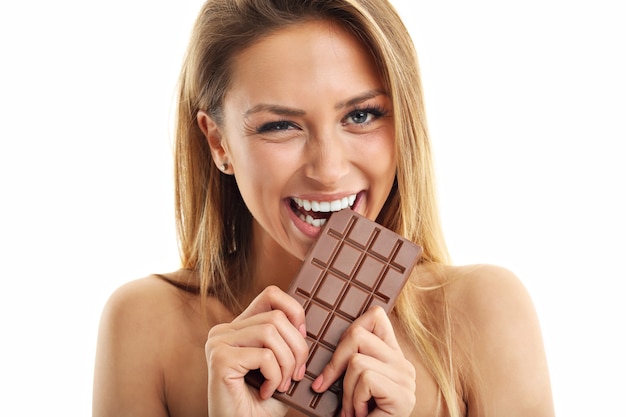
(307,229)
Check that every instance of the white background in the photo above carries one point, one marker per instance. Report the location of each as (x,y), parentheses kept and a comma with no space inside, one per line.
(526,104)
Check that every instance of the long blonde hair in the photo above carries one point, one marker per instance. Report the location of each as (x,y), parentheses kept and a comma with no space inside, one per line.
(214,225)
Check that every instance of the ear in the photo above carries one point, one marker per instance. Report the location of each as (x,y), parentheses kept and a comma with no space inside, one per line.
(213,135)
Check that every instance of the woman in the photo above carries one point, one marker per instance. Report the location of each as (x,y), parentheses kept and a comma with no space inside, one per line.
(289,110)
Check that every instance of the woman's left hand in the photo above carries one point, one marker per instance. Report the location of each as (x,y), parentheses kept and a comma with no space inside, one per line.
(375,369)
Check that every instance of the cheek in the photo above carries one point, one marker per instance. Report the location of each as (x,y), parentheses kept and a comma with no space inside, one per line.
(379,156)
(263,167)
(388,148)
(380,165)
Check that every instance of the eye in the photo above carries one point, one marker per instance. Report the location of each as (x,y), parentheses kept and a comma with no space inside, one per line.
(364,116)
(275,126)
(359,116)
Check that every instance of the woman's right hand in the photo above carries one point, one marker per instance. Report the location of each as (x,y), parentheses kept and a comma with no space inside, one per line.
(269,335)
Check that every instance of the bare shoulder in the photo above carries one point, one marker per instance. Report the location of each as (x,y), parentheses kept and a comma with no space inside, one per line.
(143,310)
(133,327)
(482,288)
(139,301)
(158,304)
(504,341)
(144,324)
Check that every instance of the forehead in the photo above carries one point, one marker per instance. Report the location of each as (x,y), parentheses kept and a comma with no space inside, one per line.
(313,54)
(309,33)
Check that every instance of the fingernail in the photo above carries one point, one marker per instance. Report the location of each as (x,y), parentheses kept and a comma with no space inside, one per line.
(317,384)
(302,330)
(301,371)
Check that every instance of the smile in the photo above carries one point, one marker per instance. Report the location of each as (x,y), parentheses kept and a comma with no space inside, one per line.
(316,213)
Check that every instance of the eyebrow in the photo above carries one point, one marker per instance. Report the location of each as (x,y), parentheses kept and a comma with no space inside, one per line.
(359,99)
(291,112)
(274,108)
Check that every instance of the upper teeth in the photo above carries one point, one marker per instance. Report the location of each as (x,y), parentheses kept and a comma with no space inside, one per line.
(326,206)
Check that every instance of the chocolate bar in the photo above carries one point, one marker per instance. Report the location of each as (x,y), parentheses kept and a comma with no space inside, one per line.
(354,265)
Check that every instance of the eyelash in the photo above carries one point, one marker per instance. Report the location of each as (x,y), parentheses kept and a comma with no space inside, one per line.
(281,125)
(274,126)
(375,110)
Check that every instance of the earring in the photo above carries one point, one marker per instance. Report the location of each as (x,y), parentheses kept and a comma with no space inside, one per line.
(224,167)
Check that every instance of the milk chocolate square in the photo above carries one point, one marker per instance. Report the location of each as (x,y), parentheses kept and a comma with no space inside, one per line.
(355,264)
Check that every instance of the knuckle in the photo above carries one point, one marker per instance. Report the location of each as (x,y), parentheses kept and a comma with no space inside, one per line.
(272,291)
(378,314)
(267,331)
(378,311)
(266,355)
(369,377)
(216,357)
(276,316)
(349,332)
(354,332)
(355,361)
(216,330)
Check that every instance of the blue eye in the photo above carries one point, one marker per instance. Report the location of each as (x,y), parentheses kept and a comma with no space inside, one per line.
(359,116)
(364,116)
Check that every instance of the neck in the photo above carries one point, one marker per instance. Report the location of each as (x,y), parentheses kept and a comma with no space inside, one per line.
(273,265)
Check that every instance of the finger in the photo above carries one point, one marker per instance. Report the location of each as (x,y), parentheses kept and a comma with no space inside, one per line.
(390,386)
(273,380)
(356,340)
(389,397)
(401,372)
(285,331)
(267,335)
(358,364)
(277,317)
(273,298)
(279,305)
(376,321)
(364,391)
(228,365)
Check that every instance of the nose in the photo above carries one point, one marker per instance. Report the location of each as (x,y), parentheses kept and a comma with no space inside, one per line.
(327,158)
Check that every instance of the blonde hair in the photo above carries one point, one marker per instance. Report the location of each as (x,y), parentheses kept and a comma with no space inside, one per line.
(214,224)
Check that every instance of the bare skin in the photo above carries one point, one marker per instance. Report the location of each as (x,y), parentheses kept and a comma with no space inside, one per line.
(151,350)
(327,140)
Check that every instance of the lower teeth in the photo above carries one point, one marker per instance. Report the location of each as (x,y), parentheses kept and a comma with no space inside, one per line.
(313,222)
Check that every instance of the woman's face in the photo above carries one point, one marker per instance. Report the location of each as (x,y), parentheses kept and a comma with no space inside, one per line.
(308,130)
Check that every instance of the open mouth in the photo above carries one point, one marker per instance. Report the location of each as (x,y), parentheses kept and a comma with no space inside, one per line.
(316,213)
